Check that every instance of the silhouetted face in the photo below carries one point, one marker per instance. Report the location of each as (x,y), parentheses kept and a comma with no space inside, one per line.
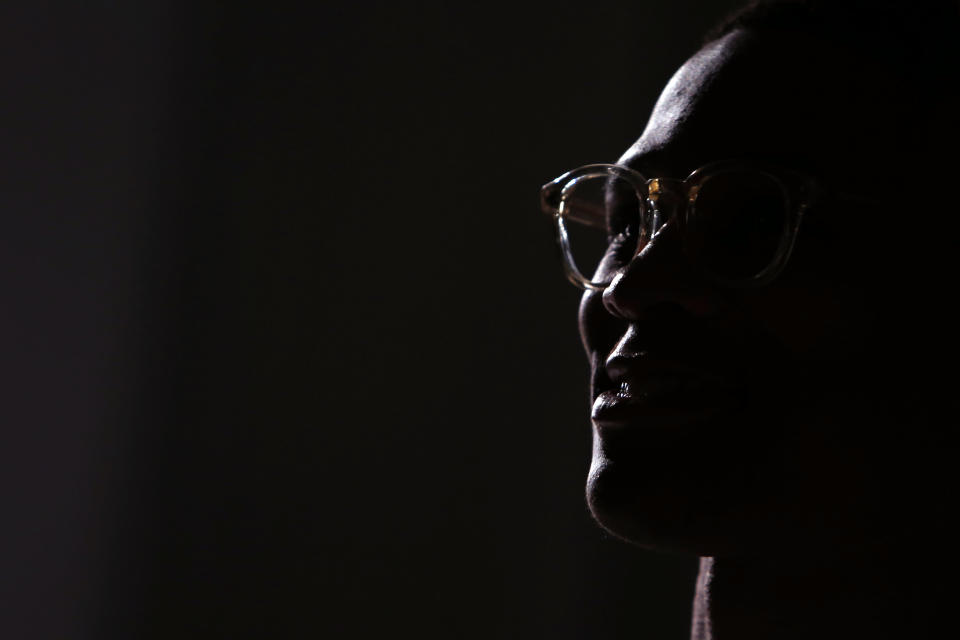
(732,419)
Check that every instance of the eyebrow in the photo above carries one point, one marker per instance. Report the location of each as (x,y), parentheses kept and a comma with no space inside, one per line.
(653,164)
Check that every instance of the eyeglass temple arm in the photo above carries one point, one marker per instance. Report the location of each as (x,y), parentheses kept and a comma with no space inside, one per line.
(576,209)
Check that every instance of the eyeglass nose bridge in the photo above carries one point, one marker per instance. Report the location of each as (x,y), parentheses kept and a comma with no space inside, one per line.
(666,199)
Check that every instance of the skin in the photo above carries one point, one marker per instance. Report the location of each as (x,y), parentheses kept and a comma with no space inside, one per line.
(803,489)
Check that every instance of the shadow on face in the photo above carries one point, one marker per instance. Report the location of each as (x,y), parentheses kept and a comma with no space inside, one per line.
(799,412)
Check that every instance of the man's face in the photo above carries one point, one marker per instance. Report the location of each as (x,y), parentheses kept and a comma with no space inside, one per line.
(725,418)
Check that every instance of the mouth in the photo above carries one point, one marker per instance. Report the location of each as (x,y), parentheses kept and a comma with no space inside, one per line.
(664,399)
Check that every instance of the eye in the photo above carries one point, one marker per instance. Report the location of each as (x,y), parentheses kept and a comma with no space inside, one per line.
(622,206)
(601,215)
(621,247)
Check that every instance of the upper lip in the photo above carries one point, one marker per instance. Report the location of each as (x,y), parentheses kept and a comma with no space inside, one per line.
(668,367)
(666,346)
(646,377)
(621,369)
(654,390)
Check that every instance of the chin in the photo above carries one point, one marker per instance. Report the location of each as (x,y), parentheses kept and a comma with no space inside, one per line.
(651,519)
(687,499)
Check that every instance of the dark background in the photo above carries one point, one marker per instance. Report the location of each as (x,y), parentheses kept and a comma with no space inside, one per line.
(288,351)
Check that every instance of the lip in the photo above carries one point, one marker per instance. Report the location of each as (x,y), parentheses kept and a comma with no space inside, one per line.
(663,399)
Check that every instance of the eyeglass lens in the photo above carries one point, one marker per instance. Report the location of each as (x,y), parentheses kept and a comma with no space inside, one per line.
(737,224)
(735,228)
(603,216)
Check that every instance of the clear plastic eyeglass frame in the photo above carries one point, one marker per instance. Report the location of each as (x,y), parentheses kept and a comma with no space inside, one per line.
(670,200)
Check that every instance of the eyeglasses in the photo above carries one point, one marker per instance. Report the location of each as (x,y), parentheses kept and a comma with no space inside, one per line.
(738,221)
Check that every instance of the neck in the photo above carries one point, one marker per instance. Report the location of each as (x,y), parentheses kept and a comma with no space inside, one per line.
(794,596)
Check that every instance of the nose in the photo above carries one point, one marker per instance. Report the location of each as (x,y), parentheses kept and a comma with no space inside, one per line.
(659,274)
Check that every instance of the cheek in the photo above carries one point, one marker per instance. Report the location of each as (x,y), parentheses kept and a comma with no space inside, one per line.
(826,300)
(589,319)
(830,318)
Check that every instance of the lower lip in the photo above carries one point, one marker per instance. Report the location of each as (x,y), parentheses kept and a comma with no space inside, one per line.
(653,406)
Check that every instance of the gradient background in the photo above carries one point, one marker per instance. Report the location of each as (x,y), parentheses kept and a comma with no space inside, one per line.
(288,350)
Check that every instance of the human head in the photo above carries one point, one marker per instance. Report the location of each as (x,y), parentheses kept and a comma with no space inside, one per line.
(821,402)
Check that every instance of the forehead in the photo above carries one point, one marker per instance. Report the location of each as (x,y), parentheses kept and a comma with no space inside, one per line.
(782,98)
